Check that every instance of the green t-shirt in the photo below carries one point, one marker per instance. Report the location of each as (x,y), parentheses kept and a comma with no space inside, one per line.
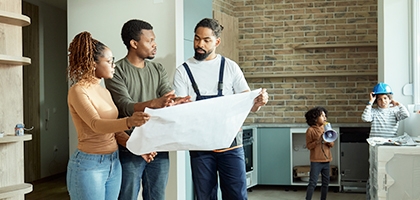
(131,84)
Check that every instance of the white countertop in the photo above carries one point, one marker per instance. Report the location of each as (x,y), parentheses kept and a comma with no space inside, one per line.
(301,125)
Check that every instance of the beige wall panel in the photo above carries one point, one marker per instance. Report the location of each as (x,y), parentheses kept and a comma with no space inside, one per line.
(229,37)
(11,106)
(11,5)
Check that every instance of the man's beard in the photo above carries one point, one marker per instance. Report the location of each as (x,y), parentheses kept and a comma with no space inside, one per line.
(201,56)
(152,56)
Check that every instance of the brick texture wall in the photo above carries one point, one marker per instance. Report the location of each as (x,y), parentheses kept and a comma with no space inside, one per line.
(337,78)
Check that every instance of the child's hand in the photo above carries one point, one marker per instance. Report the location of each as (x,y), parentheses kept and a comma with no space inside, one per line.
(320,140)
(372,97)
(329,144)
(394,103)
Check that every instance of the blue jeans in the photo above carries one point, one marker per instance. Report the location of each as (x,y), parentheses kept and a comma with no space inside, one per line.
(316,168)
(93,176)
(153,176)
(205,165)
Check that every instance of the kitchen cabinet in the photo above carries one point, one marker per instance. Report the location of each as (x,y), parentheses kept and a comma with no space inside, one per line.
(273,156)
(354,159)
(281,147)
(394,172)
(300,156)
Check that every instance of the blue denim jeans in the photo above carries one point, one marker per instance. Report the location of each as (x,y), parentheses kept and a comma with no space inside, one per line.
(316,168)
(230,165)
(93,176)
(153,176)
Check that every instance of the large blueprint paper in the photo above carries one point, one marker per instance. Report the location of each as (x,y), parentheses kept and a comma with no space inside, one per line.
(201,125)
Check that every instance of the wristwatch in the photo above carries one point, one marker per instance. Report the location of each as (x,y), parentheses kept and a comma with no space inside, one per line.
(369,103)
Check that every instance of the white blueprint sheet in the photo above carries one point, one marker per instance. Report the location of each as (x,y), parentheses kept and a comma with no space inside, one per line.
(200,125)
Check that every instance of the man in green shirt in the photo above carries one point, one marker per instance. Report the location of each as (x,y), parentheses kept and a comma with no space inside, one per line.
(139,83)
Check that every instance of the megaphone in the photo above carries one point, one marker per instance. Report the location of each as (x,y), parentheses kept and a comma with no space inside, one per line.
(329,134)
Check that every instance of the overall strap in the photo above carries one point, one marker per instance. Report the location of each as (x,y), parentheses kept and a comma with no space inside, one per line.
(194,84)
(222,69)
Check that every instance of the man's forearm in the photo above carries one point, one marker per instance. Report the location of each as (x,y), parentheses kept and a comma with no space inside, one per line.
(255,108)
(140,106)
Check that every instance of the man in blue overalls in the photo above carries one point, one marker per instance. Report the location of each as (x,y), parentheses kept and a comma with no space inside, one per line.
(210,75)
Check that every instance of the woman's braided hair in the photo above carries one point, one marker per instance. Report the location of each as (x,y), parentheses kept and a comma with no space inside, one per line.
(83,52)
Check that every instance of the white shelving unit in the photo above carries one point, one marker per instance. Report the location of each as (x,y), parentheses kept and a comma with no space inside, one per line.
(12,185)
(299,155)
(11,162)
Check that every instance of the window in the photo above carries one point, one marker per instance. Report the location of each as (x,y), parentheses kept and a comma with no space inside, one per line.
(416,50)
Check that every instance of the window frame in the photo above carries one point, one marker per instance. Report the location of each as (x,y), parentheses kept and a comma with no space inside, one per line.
(415,46)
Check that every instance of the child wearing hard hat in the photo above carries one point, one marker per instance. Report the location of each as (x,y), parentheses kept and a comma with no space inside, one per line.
(384,118)
(320,154)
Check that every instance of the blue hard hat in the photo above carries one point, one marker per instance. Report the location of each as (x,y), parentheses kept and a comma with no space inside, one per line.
(382,88)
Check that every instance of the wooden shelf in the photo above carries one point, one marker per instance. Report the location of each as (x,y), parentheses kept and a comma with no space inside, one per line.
(14,190)
(14,19)
(309,75)
(14,60)
(13,138)
(324,46)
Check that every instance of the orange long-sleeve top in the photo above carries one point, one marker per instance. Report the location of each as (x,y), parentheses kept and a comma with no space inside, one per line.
(95,115)
(319,151)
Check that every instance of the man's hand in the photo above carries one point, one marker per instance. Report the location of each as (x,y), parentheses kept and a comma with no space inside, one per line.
(163,101)
(149,156)
(260,100)
(181,100)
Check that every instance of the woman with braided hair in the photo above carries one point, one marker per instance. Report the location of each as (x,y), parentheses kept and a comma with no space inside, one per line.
(94,169)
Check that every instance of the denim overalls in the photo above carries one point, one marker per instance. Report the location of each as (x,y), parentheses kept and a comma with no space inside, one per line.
(230,164)
(219,86)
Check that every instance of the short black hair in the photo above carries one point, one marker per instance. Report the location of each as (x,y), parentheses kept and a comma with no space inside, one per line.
(212,24)
(131,30)
(313,114)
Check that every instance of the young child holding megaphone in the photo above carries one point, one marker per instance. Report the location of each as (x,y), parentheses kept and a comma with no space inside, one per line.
(319,140)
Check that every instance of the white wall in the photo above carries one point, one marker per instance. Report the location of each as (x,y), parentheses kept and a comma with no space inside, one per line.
(394,51)
(104,19)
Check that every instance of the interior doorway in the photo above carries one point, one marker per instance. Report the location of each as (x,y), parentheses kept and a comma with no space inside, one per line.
(45,90)
(31,90)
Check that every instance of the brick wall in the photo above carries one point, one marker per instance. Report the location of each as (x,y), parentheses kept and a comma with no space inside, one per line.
(298,79)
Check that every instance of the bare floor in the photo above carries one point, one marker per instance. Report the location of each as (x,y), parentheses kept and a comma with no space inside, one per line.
(297,193)
(55,188)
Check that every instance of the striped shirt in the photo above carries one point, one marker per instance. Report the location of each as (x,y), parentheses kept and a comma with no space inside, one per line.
(384,121)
